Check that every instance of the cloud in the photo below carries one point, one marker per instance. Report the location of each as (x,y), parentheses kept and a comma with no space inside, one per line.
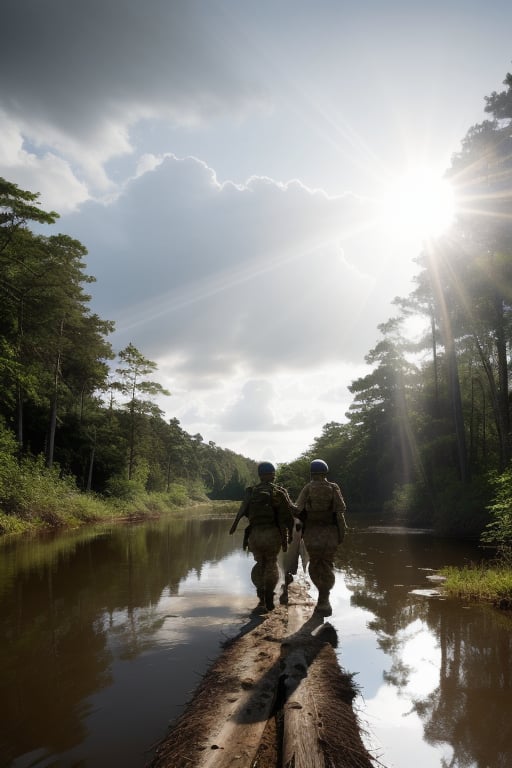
(190,146)
(275,418)
(57,183)
(252,411)
(217,276)
(86,72)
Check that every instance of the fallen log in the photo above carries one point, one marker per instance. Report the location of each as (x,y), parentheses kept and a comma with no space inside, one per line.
(275,698)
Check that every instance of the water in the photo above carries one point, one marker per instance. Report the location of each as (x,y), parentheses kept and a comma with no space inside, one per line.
(106,633)
(435,675)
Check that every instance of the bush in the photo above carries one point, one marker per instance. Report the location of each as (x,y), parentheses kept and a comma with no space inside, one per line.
(126,490)
(9,469)
(499,530)
(177,495)
(10,524)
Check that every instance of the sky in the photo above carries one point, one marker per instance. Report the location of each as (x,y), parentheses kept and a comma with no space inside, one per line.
(251,181)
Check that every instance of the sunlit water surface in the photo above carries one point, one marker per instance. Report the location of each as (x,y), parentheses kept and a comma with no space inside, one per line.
(106,633)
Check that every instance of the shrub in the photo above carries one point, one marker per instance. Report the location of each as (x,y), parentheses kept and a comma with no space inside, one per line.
(499,530)
(122,488)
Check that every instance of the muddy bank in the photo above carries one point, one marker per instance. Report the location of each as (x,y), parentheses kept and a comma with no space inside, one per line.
(276,697)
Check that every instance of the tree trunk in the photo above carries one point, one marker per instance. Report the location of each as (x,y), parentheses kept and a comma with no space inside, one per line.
(435,263)
(503,406)
(91,465)
(53,411)
(456,403)
(53,428)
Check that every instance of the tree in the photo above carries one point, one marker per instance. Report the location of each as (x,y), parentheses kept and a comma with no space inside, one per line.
(444,292)
(482,173)
(17,208)
(139,390)
(49,334)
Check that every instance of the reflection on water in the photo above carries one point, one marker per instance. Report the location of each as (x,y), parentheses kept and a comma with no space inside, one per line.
(435,674)
(105,634)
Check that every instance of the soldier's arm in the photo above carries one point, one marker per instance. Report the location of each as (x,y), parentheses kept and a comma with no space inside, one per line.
(339,501)
(241,512)
(339,508)
(300,504)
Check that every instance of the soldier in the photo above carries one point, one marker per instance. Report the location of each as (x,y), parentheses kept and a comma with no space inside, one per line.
(321,509)
(269,511)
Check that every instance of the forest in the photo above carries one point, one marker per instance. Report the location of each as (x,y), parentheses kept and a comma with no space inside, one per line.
(426,441)
(71,409)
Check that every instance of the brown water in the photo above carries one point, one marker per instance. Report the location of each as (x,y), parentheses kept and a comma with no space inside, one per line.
(106,633)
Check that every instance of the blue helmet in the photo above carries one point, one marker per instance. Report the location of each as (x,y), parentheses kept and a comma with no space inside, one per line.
(266,468)
(318,467)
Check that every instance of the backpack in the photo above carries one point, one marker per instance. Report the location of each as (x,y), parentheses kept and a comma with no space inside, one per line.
(260,508)
(320,503)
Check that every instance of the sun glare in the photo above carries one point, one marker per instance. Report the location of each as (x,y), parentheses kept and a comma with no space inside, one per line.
(419,204)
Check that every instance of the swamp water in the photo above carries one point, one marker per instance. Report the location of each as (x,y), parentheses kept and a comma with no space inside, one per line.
(105,634)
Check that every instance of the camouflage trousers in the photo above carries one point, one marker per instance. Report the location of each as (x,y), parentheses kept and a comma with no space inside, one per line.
(321,543)
(265,543)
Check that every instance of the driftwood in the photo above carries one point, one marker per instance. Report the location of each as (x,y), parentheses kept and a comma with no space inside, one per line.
(275,698)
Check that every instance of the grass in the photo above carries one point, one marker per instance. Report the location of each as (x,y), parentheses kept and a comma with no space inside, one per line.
(483,583)
(56,505)
(34,497)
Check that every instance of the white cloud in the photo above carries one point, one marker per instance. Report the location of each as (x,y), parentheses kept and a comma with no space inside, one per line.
(252,411)
(232,265)
(222,275)
(275,418)
(248,296)
(46,172)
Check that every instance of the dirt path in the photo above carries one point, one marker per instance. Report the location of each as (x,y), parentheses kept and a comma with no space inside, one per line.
(275,698)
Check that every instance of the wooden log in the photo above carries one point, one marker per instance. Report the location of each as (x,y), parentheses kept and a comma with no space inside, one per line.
(259,665)
(251,704)
(301,747)
(281,671)
(224,723)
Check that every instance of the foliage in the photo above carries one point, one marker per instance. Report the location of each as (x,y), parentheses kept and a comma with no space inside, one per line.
(54,374)
(499,530)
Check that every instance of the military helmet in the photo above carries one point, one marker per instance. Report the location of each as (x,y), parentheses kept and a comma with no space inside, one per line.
(318,467)
(266,468)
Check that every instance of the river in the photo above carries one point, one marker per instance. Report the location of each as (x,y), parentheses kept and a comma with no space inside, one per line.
(107,631)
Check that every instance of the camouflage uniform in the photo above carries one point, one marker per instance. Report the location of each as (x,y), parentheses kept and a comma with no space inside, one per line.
(321,508)
(268,532)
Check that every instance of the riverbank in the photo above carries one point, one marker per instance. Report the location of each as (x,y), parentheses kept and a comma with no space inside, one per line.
(482,583)
(73,509)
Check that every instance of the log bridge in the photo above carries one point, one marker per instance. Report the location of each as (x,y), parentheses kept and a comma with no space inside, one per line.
(275,698)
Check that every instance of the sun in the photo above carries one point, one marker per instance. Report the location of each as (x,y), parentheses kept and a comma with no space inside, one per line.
(418,205)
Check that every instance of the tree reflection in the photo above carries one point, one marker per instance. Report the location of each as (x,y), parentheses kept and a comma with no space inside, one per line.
(470,708)
(66,612)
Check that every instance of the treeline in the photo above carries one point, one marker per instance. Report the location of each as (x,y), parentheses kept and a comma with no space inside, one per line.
(65,405)
(427,438)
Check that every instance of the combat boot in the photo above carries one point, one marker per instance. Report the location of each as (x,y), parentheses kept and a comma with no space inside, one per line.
(260,592)
(283,597)
(269,600)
